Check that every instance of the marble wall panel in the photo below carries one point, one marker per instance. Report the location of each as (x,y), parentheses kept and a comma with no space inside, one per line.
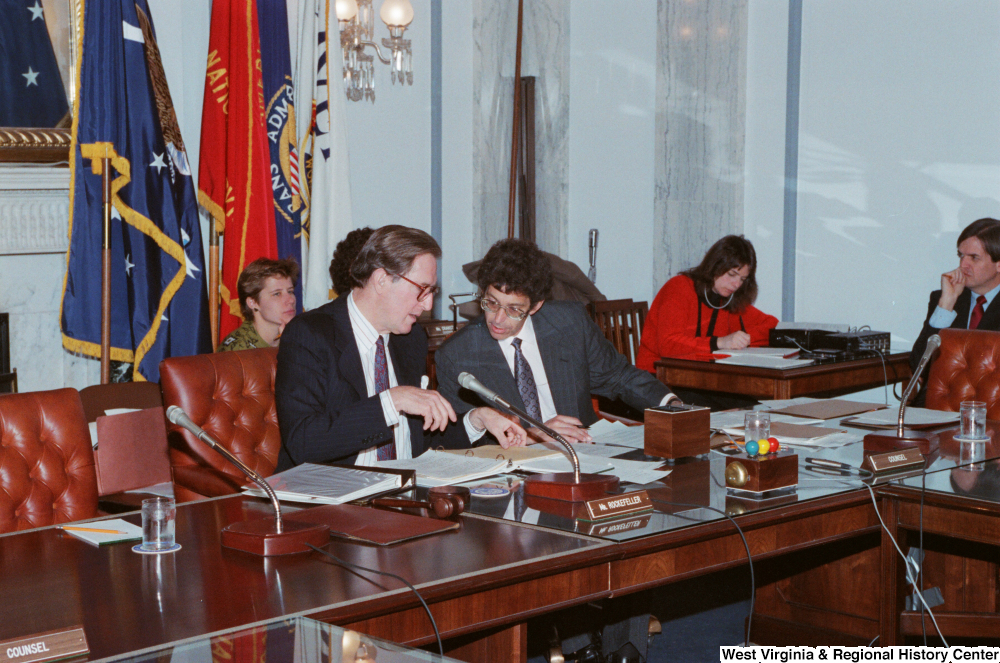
(494,29)
(545,55)
(34,214)
(700,129)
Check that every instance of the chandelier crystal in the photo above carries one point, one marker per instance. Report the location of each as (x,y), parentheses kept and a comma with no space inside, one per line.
(357,31)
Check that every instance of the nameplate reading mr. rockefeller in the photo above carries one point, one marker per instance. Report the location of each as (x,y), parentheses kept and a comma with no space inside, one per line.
(619,505)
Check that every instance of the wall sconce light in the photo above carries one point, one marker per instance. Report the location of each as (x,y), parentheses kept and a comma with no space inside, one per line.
(357,30)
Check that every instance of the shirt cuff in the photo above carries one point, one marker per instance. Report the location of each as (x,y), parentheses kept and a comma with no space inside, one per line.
(389,409)
(942,318)
(668,398)
(474,434)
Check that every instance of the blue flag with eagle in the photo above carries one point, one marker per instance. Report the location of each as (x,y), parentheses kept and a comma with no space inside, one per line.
(159,305)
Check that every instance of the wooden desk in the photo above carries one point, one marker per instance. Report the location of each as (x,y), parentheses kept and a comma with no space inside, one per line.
(961,539)
(767,383)
(482,582)
(487,572)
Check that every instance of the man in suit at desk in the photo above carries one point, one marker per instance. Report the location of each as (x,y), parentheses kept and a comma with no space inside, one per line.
(546,357)
(976,278)
(350,376)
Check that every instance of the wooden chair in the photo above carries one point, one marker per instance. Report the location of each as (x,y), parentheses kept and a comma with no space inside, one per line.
(622,321)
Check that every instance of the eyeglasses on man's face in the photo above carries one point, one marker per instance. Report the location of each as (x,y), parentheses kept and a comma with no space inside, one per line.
(492,305)
(430,289)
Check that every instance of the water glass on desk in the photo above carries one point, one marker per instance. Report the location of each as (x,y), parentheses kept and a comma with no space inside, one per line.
(973,420)
(757,426)
(159,516)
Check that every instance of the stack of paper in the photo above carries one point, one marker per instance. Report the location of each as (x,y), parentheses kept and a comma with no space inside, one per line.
(756,359)
(105,532)
(325,484)
(441,468)
(914,416)
(542,458)
(617,433)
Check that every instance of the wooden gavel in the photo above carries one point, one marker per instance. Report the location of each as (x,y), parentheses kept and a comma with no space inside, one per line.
(443,501)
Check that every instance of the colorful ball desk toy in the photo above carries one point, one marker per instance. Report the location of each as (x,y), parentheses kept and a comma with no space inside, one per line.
(763,470)
(762,447)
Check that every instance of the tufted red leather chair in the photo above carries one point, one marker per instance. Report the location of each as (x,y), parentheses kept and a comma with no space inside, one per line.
(966,369)
(46,461)
(231,396)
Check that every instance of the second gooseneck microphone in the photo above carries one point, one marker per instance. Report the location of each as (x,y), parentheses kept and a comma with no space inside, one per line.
(179,417)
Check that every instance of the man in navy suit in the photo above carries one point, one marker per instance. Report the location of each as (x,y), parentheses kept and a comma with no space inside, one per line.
(350,373)
(968,295)
(546,357)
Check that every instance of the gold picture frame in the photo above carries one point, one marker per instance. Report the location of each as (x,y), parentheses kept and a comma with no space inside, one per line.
(48,145)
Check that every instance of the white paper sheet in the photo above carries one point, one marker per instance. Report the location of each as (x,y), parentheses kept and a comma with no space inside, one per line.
(615,432)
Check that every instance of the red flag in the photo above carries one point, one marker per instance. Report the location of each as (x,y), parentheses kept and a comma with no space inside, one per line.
(234,179)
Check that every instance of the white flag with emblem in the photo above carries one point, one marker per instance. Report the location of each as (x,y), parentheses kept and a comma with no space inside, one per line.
(322,142)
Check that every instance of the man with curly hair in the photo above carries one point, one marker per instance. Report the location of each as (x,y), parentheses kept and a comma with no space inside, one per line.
(546,357)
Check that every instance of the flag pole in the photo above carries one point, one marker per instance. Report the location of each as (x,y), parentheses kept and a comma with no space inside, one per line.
(213,284)
(106,273)
(516,133)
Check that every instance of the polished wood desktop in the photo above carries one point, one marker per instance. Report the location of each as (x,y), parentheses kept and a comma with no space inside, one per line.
(485,572)
(818,553)
(767,383)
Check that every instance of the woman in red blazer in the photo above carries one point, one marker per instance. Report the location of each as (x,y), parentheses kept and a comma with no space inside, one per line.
(708,308)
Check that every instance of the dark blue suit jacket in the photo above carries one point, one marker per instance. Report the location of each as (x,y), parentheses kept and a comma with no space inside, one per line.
(324,410)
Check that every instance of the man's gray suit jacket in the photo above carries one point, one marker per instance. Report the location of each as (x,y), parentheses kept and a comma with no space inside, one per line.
(578,359)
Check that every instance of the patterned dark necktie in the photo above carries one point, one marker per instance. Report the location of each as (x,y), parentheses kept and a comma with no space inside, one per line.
(526,382)
(977,313)
(388,450)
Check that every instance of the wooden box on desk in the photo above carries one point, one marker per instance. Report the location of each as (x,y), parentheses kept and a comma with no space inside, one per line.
(677,431)
(763,473)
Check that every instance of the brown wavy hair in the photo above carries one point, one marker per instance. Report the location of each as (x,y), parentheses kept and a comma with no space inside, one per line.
(251,280)
(393,248)
(730,252)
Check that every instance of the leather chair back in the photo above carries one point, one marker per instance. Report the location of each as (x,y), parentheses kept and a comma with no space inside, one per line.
(47,460)
(231,396)
(966,369)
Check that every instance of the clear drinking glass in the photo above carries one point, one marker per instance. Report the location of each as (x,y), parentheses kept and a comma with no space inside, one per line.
(973,418)
(757,425)
(159,515)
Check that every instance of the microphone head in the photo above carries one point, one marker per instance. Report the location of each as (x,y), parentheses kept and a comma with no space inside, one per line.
(174,413)
(934,342)
(466,379)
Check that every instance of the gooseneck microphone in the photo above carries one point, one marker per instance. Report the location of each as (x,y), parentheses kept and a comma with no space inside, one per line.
(179,417)
(933,343)
(469,381)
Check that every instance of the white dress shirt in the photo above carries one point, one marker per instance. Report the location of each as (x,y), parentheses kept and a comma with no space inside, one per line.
(529,346)
(942,318)
(366,337)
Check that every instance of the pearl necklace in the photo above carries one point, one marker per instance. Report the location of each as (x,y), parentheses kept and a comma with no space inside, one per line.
(710,305)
